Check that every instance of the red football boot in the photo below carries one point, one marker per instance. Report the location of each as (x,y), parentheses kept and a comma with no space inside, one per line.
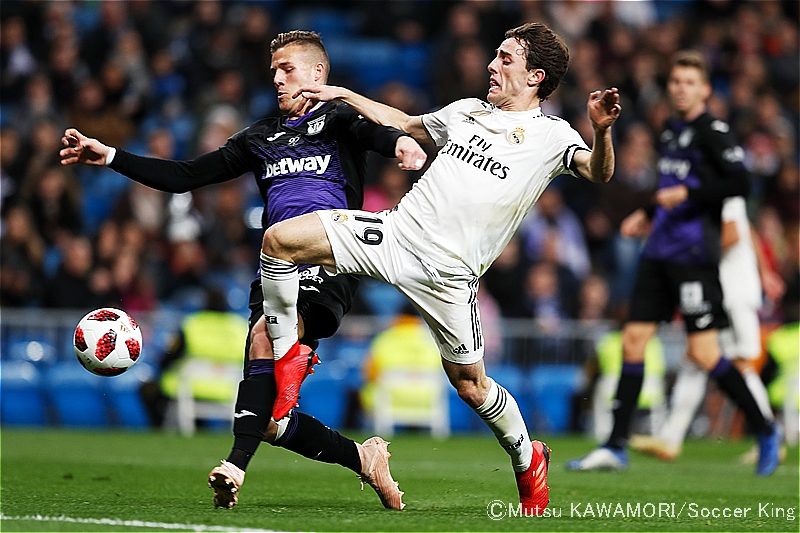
(290,371)
(534,494)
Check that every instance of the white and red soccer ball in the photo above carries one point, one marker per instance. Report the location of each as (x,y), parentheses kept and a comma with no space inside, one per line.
(107,341)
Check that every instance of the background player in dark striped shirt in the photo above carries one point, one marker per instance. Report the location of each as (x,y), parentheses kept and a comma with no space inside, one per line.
(699,166)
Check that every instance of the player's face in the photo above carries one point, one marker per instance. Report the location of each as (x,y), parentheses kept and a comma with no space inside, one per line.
(688,90)
(293,66)
(508,75)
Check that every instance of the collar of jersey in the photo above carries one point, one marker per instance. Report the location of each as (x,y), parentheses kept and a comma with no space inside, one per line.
(528,113)
(294,122)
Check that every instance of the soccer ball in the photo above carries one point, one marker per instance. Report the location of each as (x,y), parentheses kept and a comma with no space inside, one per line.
(107,341)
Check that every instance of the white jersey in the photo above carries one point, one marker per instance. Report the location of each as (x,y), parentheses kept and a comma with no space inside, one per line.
(738,268)
(493,165)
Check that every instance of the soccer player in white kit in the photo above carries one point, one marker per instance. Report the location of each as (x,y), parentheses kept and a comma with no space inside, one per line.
(495,159)
(740,275)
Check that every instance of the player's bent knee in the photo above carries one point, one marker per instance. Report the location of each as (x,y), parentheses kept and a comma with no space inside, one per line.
(272,243)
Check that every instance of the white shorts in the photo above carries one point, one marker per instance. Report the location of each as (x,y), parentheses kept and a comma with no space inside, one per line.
(368,244)
(742,339)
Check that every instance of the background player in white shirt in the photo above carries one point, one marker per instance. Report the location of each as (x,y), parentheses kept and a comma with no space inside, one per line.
(495,160)
(741,273)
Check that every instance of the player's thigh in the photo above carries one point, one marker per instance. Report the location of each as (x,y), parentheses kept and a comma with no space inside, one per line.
(652,299)
(364,243)
(301,240)
(699,295)
(449,306)
(743,338)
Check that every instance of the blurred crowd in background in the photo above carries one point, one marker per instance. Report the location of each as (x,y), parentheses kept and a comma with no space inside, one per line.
(174,79)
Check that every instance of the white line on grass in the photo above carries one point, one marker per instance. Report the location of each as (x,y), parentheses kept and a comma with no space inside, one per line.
(129,523)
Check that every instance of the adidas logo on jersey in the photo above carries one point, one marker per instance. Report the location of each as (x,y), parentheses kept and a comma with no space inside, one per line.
(460,350)
(317,164)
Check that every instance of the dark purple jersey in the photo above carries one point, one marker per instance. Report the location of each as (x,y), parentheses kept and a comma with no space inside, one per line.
(703,156)
(315,162)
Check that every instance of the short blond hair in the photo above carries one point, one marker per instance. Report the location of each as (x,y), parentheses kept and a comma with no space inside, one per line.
(691,59)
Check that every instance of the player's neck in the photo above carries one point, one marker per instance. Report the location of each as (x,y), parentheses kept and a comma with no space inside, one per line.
(692,114)
(519,104)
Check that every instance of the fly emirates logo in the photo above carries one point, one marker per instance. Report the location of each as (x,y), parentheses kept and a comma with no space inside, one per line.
(317,164)
(475,154)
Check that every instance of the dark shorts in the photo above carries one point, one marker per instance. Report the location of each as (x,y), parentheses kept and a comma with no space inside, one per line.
(322,302)
(662,287)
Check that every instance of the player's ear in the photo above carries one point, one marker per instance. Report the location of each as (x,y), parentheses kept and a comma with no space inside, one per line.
(320,74)
(535,77)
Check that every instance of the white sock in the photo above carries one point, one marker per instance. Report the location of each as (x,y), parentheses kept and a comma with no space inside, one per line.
(759,393)
(501,413)
(687,394)
(279,284)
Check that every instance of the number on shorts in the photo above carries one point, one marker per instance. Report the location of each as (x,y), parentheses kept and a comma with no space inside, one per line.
(371,235)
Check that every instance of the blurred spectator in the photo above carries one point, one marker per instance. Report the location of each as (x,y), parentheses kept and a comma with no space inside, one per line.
(550,219)
(505,278)
(543,296)
(76,284)
(54,199)
(392,185)
(16,59)
(23,251)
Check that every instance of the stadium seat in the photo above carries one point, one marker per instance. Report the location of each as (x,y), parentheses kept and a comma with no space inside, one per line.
(382,299)
(552,387)
(22,400)
(324,395)
(36,349)
(123,396)
(76,395)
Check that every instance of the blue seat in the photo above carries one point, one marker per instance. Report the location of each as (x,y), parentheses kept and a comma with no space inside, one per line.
(22,400)
(514,380)
(462,418)
(76,395)
(552,388)
(123,396)
(37,349)
(381,298)
(324,396)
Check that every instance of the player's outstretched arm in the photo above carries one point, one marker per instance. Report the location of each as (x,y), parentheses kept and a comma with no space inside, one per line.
(371,110)
(162,174)
(604,109)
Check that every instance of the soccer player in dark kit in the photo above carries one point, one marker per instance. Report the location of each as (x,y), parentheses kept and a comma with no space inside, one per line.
(312,157)
(700,165)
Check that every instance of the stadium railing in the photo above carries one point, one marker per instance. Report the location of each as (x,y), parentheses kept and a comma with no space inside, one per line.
(534,360)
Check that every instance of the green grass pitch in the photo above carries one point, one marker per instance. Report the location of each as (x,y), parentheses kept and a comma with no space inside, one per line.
(114,481)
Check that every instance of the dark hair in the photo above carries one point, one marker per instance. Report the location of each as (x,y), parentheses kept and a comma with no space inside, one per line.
(307,38)
(692,59)
(544,49)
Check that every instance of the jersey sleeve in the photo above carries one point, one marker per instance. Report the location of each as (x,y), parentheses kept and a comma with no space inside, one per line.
(236,153)
(436,123)
(726,158)
(566,143)
(173,176)
(369,135)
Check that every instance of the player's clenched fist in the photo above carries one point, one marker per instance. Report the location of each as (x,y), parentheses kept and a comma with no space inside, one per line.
(410,154)
(79,148)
